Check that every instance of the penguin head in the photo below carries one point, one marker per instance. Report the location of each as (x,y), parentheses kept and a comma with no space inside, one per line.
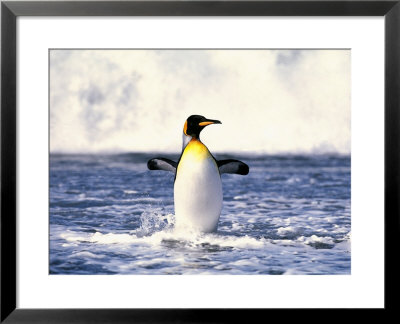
(195,124)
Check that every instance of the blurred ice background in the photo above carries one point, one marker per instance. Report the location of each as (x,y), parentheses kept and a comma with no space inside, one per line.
(269,101)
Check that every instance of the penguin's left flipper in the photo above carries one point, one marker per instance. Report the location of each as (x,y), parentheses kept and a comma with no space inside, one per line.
(162,164)
(233,166)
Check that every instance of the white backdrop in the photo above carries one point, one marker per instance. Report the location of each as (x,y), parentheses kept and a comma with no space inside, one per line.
(363,288)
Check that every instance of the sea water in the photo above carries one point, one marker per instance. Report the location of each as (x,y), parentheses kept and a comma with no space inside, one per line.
(290,215)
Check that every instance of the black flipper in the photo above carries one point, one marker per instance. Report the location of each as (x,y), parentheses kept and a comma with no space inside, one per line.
(233,166)
(162,164)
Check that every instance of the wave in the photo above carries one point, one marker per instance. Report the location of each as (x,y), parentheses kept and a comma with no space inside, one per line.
(157,230)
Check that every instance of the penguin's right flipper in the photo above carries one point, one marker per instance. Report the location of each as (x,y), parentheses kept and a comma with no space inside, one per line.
(233,166)
(162,164)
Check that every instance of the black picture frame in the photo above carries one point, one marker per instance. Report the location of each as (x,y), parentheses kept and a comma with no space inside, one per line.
(10,10)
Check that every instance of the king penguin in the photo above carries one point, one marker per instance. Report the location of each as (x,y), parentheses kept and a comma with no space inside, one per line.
(197,186)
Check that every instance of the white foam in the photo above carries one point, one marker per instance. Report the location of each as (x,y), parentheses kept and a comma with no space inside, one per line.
(244,262)
(73,236)
(111,238)
(316,239)
(237,242)
(293,272)
(190,239)
(86,254)
(130,192)
(285,230)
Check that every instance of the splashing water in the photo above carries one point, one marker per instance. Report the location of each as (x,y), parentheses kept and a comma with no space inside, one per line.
(109,215)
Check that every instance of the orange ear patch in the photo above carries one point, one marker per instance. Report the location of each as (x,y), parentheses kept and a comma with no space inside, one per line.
(185,128)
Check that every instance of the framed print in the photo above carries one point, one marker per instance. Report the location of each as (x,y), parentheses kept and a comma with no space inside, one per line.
(289,198)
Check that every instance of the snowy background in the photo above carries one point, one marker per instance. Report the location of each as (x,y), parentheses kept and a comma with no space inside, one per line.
(269,101)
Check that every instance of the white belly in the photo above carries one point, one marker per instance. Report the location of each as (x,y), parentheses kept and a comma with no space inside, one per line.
(197,192)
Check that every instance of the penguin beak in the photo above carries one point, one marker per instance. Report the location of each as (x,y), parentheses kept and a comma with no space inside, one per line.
(209,122)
